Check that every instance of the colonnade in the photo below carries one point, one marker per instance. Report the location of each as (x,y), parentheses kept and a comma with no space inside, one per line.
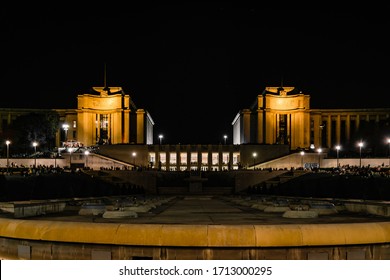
(333,127)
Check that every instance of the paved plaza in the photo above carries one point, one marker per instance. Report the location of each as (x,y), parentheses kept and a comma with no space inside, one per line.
(211,210)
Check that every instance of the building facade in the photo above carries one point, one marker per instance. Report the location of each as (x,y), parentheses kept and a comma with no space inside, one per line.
(194,157)
(279,117)
(111,117)
(282,115)
(105,116)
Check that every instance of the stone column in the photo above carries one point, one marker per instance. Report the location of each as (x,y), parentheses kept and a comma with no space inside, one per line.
(289,133)
(177,149)
(260,134)
(199,151)
(348,128)
(277,126)
(188,150)
(270,129)
(357,122)
(317,130)
(338,129)
(230,164)
(140,126)
(210,159)
(246,129)
(167,157)
(111,130)
(158,158)
(329,131)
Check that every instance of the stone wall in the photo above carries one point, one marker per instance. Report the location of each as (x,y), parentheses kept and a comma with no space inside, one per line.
(21,239)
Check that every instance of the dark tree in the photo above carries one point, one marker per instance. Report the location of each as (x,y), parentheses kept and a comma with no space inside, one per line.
(39,127)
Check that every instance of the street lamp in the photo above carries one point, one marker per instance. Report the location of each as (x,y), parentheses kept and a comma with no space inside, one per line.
(337,151)
(35,144)
(360,153)
(7,143)
(86,153)
(319,150)
(134,154)
(55,159)
(321,130)
(302,154)
(70,157)
(161,137)
(225,137)
(254,158)
(65,126)
(388,141)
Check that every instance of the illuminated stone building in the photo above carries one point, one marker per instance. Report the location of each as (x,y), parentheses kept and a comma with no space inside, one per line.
(279,121)
(275,118)
(282,115)
(105,116)
(111,117)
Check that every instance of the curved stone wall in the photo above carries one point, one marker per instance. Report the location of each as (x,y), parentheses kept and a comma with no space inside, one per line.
(79,240)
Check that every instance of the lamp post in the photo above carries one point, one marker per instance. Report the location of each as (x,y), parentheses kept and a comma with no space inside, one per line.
(225,138)
(134,154)
(254,158)
(55,159)
(360,153)
(86,153)
(302,154)
(35,144)
(160,137)
(319,157)
(388,141)
(7,143)
(321,130)
(65,126)
(70,157)
(337,151)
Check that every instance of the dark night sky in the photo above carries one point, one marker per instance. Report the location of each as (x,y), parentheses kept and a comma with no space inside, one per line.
(193,66)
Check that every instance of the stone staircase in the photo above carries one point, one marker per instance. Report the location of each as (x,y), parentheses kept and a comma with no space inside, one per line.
(284,177)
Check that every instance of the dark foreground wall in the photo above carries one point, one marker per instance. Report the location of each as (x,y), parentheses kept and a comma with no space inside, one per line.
(62,185)
(325,185)
(117,182)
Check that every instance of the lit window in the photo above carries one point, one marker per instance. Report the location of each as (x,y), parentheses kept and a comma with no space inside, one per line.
(194,158)
(152,157)
(172,158)
(236,158)
(205,158)
(225,158)
(183,158)
(74,124)
(163,158)
(215,158)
